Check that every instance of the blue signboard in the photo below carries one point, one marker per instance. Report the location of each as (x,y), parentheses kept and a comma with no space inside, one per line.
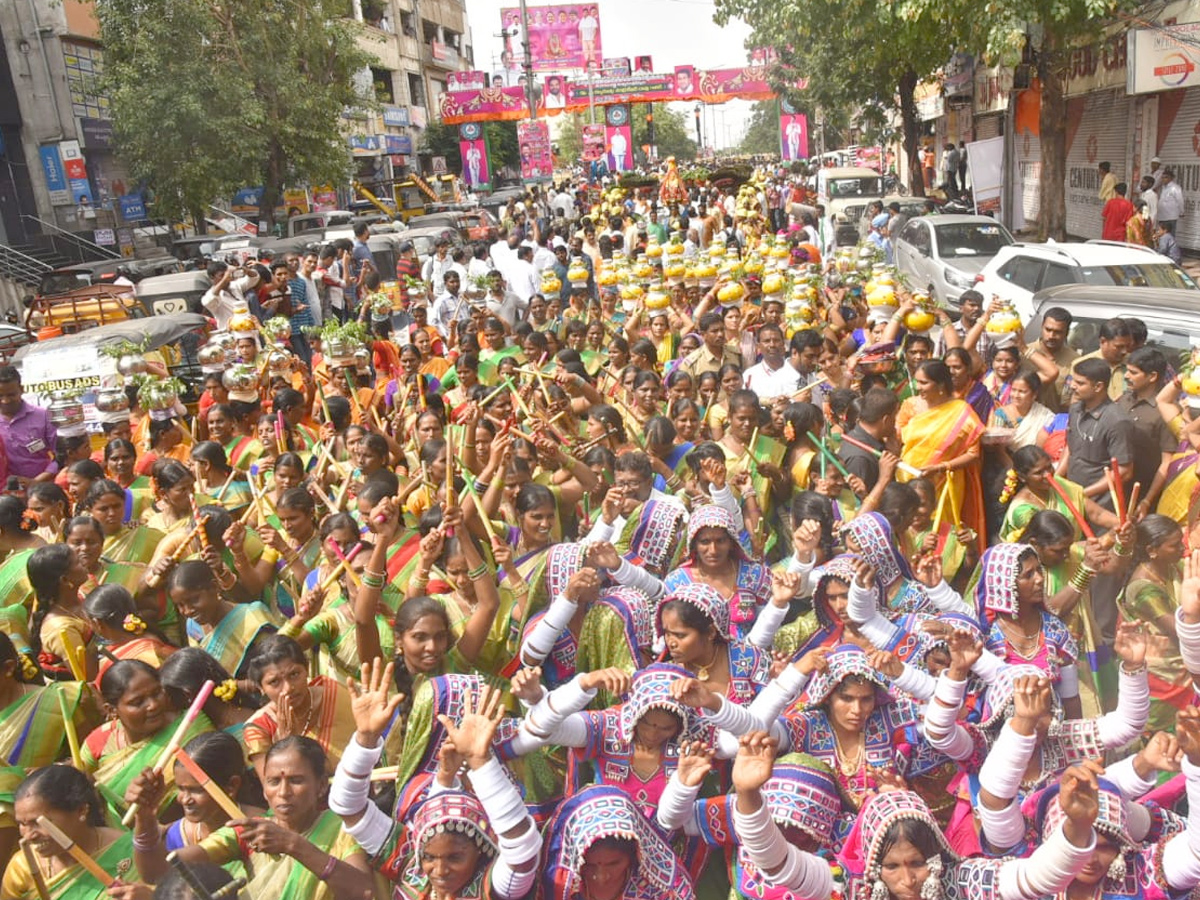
(56,177)
(395,116)
(401,143)
(366,144)
(133,209)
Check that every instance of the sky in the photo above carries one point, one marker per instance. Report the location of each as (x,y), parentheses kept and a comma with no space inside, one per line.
(673,32)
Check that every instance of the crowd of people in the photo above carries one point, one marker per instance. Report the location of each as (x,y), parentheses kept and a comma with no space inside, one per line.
(717,562)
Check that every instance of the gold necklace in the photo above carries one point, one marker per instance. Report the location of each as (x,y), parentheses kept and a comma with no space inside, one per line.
(702,671)
(846,765)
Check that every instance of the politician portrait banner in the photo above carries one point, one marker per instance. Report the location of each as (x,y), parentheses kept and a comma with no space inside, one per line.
(560,37)
(618,138)
(472,144)
(533,139)
(793,133)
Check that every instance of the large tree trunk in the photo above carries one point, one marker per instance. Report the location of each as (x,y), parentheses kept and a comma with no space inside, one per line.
(272,189)
(911,127)
(1052,185)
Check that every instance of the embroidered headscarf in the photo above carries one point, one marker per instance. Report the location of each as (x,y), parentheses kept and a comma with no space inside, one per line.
(704,598)
(842,663)
(996,590)
(562,561)
(802,793)
(652,690)
(602,811)
(713,516)
(1123,876)
(840,567)
(876,544)
(862,854)
(650,538)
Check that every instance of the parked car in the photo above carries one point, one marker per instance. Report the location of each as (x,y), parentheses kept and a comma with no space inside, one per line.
(175,293)
(943,254)
(106,271)
(1172,315)
(423,239)
(1020,270)
(844,188)
(312,221)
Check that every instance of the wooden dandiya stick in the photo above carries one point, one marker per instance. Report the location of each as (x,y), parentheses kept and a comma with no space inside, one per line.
(439,574)
(497,391)
(72,734)
(324,403)
(943,494)
(316,486)
(337,551)
(176,741)
(211,788)
(1075,513)
(78,854)
(808,387)
(487,523)
(451,496)
(73,652)
(35,871)
(385,773)
(328,581)
(339,498)
(225,486)
(353,393)
(826,453)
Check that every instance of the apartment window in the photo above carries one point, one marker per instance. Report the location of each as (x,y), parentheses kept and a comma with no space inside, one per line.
(385,91)
(407,25)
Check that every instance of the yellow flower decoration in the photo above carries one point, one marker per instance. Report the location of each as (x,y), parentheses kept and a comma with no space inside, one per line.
(133,624)
(226,690)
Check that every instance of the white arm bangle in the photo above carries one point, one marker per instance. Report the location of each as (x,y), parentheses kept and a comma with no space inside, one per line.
(1123,724)
(350,792)
(1068,681)
(942,714)
(676,805)
(1002,828)
(545,633)
(1002,770)
(1188,634)
(916,683)
(1181,855)
(862,604)
(1125,778)
(633,576)
(988,666)
(761,837)
(1049,870)
(766,623)
(504,807)
(947,599)
(737,720)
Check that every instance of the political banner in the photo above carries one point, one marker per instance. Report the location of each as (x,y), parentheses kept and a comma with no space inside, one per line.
(554,98)
(593,142)
(533,139)
(472,144)
(560,37)
(502,104)
(793,133)
(618,138)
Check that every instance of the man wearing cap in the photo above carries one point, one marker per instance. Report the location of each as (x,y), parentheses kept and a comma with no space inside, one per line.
(1156,172)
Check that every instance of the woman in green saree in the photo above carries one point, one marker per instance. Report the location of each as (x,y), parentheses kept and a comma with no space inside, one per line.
(64,796)
(141,726)
(228,707)
(174,492)
(120,459)
(85,535)
(50,505)
(292,548)
(218,479)
(1032,486)
(225,630)
(18,540)
(1150,600)
(126,541)
(298,829)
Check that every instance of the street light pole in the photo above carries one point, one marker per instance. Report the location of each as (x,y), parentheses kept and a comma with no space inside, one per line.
(699,132)
(530,92)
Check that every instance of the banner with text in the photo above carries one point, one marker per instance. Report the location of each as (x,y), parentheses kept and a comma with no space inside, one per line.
(686,83)
(473,145)
(560,37)
(533,138)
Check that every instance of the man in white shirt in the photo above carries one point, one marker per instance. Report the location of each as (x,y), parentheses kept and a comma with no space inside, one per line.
(450,306)
(500,301)
(589,27)
(499,251)
(774,376)
(434,271)
(1146,193)
(543,256)
(522,276)
(227,292)
(308,268)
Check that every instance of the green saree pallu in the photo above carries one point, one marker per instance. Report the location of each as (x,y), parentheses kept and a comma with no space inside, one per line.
(115,763)
(31,729)
(73,882)
(134,544)
(14,582)
(231,641)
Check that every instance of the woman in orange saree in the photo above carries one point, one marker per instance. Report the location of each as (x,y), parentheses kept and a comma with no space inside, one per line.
(944,443)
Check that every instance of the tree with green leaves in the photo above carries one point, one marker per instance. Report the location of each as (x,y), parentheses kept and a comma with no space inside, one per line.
(671,131)
(859,57)
(209,96)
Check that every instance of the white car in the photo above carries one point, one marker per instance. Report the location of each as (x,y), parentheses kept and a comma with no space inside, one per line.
(943,254)
(1020,270)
